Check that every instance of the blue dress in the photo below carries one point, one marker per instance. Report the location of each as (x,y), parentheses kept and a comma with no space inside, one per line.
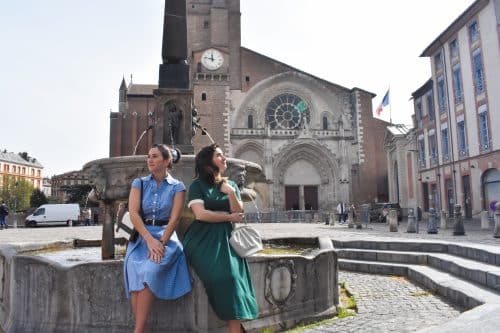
(170,278)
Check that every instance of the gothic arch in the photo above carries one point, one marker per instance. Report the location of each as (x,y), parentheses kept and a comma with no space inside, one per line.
(315,153)
(250,145)
(313,91)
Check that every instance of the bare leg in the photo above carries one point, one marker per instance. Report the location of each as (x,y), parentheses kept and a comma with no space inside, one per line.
(144,300)
(133,302)
(234,326)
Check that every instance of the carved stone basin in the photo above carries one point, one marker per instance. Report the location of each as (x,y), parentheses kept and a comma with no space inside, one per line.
(60,288)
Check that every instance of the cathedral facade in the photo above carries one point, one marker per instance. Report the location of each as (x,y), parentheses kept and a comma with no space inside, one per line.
(316,141)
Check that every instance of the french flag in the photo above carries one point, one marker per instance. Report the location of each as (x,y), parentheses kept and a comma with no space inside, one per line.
(379,112)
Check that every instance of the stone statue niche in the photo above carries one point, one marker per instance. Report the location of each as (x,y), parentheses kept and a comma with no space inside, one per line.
(173,123)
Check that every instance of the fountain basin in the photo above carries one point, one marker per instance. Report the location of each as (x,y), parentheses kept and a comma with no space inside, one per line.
(42,292)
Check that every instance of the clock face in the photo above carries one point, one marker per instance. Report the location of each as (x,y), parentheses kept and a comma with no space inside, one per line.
(212,59)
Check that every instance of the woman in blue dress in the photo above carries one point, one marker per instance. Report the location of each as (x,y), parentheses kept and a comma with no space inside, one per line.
(155,265)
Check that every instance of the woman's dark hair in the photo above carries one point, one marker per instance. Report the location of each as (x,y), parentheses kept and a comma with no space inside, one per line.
(204,168)
(173,155)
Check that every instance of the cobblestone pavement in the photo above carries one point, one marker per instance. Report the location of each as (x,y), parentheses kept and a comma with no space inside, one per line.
(388,304)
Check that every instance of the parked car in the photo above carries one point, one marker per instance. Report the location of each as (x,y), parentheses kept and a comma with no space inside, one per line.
(375,210)
(52,214)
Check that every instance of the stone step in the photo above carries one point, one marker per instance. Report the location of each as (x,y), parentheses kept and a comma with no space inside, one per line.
(457,290)
(406,257)
(484,253)
(478,272)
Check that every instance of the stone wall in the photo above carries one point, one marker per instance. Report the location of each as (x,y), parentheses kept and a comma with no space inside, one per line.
(40,295)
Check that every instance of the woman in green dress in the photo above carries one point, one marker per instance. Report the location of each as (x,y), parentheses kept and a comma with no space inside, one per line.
(216,202)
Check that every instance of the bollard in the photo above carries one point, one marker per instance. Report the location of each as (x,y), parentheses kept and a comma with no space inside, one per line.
(442,221)
(350,222)
(357,219)
(458,227)
(431,223)
(70,223)
(496,232)
(367,214)
(412,226)
(485,222)
(332,219)
(393,220)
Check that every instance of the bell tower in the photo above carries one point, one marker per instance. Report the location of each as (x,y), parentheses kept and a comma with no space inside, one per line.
(214,42)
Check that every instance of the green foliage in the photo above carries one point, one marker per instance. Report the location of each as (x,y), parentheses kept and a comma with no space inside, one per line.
(78,194)
(16,193)
(53,200)
(38,198)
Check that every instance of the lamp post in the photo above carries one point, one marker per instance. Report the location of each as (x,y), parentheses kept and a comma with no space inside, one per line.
(15,203)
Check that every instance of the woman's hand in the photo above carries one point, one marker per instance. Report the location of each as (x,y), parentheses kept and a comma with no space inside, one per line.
(155,250)
(236,217)
(226,188)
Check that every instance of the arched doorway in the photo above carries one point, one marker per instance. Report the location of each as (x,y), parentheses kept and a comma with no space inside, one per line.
(491,187)
(301,181)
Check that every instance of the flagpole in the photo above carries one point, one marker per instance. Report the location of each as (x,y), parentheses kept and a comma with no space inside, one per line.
(390,106)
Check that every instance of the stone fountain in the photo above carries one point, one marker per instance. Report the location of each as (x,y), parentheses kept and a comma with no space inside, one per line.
(63,288)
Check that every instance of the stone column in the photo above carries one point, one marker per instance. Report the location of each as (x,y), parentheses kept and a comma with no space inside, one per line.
(458,227)
(496,232)
(108,234)
(412,225)
(431,224)
(485,223)
(443,220)
(392,218)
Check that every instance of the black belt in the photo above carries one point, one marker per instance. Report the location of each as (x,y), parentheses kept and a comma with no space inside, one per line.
(155,222)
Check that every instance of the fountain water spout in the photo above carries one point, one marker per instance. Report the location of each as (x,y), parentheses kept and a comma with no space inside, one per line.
(150,127)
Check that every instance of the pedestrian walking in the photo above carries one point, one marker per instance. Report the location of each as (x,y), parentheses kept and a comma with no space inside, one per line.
(342,211)
(87,214)
(4,211)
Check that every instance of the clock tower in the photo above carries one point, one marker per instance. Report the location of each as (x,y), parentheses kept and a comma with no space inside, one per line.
(214,43)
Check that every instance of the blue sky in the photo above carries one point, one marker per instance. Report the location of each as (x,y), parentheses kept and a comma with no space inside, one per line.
(62,61)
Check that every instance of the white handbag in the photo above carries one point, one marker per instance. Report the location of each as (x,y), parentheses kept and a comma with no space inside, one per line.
(245,240)
(125,228)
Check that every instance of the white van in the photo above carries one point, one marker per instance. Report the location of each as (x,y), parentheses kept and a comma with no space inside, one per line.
(54,213)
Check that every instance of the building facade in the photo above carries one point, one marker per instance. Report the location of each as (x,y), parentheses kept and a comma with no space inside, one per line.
(61,184)
(20,166)
(316,141)
(402,166)
(458,114)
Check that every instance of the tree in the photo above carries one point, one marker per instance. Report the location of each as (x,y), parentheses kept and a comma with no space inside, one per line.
(78,194)
(16,193)
(38,198)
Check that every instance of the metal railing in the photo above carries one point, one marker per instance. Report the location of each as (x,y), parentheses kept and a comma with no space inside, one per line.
(289,216)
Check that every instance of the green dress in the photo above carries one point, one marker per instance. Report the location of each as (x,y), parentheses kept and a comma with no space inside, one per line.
(224,274)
